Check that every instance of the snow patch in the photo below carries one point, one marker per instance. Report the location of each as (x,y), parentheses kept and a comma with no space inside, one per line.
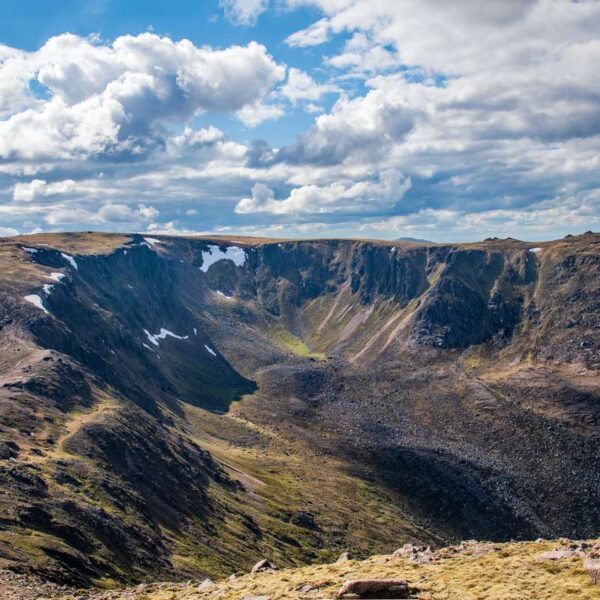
(210,350)
(47,288)
(223,295)
(152,241)
(162,335)
(70,260)
(36,301)
(215,254)
(56,276)
(195,331)
(535,250)
(30,250)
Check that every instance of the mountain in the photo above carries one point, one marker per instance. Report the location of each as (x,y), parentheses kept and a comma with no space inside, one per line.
(181,407)
(412,239)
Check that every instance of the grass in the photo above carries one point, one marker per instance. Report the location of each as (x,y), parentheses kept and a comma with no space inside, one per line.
(290,343)
(508,572)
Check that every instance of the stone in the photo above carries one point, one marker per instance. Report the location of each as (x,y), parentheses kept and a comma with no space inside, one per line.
(558,554)
(376,588)
(416,554)
(206,584)
(263,565)
(344,557)
(592,568)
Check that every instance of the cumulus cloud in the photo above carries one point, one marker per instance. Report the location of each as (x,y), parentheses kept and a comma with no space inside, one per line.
(8,231)
(244,12)
(255,114)
(39,188)
(337,197)
(110,213)
(116,99)
(301,86)
(364,127)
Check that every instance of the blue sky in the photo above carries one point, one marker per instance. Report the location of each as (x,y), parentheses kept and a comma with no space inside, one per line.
(381,118)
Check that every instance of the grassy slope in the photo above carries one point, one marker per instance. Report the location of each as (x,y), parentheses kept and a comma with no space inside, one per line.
(508,572)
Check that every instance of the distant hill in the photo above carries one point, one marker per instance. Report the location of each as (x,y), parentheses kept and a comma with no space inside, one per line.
(415,240)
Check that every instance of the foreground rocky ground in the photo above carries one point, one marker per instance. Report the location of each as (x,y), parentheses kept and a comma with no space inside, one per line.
(472,570)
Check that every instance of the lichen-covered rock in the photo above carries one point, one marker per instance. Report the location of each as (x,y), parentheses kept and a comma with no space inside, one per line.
(376,588)
(263,565)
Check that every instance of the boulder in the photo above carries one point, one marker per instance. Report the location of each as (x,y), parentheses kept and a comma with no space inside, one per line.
(559,554)
(263,565)
(344,557)
(592,568)
(206,584)
(416,554)
(376,588)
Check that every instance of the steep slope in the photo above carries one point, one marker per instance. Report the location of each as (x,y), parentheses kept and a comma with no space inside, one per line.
(180,406)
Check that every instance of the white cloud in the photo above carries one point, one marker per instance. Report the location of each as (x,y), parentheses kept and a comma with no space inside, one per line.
(116,98)
(39,188)
(360,129)
(8,231)
(112,213)
(244,12)
(301,86)
(337,197)
(255,114)
(316,34)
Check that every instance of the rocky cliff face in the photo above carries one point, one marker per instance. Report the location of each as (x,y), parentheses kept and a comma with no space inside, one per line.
(175,406)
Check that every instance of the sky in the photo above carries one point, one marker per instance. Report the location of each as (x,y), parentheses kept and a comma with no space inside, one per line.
(447,121)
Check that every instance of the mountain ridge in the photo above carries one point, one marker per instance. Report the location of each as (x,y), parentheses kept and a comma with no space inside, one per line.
(186,411)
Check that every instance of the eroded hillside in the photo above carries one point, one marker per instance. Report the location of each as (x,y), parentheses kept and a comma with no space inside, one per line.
(179,407)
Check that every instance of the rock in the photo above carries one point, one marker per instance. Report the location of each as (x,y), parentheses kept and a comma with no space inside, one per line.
(482,550)
(558,554)
(305,588)
(416,554)
(376,588)
(206,584)
(263,565)
(344,557)
(592,568)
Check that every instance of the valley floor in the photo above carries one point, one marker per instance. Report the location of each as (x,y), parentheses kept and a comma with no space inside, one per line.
(541,570)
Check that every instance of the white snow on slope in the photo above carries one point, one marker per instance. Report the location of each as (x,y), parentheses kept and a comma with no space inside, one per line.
(162,335)
(210,350)
(214,254)
(30,250)
(69,259)
(47,288)
(152,241)
(36,301)
(535,250)
(223,295)
(55,276)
